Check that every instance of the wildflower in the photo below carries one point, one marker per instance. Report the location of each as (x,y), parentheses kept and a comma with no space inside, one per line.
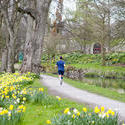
(97,110)
(84,109)
(5,111)
(41,89)
(78,113)
(1,113)
(73,116)
(113,113)
(18,100)
(66,110)
(1,109)
(9,114)
(75,111)
(102,115)
(24,109)
(58,98)
(2,96)
(68,113)
(7,97)
(20,107)
(102,109)
(48,122)
(19,111)
(11,107)
(14,96)
(24,98)
(107,114)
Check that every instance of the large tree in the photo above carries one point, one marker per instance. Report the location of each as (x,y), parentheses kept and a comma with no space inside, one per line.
(37,12)
(11,20)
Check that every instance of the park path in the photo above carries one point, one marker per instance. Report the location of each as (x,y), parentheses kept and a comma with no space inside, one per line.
(67,91)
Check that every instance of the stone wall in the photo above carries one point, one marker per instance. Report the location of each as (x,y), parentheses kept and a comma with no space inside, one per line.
(78,74)
(74,73)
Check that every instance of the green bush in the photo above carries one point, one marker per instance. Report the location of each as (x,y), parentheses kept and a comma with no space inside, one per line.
(122,60)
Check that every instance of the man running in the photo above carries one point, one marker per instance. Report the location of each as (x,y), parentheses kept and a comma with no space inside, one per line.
(61,64)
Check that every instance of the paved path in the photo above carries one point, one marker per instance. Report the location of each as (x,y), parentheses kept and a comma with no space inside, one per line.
(81,96)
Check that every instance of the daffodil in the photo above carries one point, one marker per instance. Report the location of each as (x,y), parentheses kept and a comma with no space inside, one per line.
(11,107)
(113,113)
(84,109)
(48,122)
(41,89)
(59,98)
(24,99)
(107,114)
(102,109)
(78,113)
(73,116)
(97,110)
(66,110)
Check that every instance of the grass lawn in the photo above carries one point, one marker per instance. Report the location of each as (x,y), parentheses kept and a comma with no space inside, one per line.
(99,67)
(37,114)
(94,89)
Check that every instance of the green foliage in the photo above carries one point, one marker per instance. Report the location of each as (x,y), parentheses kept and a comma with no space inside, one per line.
(43,98)
(13,95)
(96,117)
(79,58)
(115,58)
(91,74)
(122,59)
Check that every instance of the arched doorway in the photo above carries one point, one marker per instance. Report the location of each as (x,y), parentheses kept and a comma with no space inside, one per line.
(97,48)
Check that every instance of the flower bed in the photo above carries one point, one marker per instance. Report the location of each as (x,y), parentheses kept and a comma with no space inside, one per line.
(14,92)
(75,117)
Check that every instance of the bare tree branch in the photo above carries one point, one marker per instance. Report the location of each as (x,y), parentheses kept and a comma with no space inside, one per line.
(32,12)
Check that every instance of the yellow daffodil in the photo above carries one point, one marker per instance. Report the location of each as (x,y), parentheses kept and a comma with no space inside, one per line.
(41,89)
(48,122)
(97,110)
(11,107)
(84,109)
(5,111)
(113,113)
(24,109)
(107,114)
(102,109)
(24,99)
(59,98)
(78,113)
(73,116)
(110,111)
(66,110)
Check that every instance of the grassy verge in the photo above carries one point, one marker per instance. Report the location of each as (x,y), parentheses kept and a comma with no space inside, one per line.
(94,89)
(99,67)
(37,114)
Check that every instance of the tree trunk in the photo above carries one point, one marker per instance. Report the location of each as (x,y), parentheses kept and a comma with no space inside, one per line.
(10,44)
(10,65)
(28,48)
(103,54)
(34,40)
(4,60)
(103,50)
